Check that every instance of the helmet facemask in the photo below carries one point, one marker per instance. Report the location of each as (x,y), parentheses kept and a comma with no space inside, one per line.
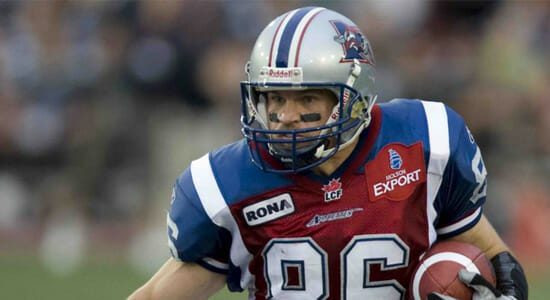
(295,151)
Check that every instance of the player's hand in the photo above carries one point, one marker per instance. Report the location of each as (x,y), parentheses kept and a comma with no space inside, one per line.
(483,290)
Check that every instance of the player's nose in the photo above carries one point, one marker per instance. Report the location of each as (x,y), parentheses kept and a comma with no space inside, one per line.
(289,113)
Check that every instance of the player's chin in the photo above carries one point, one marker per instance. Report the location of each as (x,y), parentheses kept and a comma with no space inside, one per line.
(301,147)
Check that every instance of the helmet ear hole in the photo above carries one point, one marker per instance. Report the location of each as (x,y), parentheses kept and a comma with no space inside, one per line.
(247,68)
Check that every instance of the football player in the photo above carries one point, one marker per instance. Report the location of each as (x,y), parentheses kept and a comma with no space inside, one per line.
(328,196)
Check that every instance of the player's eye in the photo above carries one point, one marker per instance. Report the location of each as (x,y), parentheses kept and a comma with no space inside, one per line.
(308,99)
(276,99)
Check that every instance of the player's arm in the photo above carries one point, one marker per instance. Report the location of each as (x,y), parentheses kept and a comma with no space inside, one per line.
(511,280)
(484,236)
(200,250)
(461,197)
(180,280)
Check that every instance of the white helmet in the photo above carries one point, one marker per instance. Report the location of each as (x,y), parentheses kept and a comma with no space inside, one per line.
(310,47)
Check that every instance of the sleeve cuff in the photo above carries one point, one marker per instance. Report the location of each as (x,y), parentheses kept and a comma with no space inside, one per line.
(460,226)
(213,265)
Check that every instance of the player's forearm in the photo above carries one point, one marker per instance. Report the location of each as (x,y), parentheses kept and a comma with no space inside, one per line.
(484,236)
(177,280)
(143,293)
(188,282)
(511,279)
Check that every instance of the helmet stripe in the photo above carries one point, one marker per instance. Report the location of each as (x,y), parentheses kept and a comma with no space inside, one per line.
(277,35)
(296,45)
(287,37)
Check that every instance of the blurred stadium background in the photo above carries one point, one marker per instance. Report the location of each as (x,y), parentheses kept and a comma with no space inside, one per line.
(104,103)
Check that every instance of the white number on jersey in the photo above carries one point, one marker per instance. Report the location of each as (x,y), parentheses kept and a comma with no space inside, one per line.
(309,264)
(308,261)
(480,173)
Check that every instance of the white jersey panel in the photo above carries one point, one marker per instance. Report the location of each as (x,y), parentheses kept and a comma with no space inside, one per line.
(438,131)
(218,211)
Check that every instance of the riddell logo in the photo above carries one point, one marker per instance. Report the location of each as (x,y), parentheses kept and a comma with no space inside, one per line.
(333,190)
(345,97)
(279,73)
(282,74)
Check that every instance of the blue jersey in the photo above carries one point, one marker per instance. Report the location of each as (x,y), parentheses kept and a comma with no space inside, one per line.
(415,176)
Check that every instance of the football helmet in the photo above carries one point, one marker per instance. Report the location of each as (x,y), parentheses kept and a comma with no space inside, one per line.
(307,48)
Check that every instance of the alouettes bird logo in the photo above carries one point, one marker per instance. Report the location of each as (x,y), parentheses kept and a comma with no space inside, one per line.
(354,44)
(333,190)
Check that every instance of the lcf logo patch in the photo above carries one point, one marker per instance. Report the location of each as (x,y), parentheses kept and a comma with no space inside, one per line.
(395,172)
(333,190)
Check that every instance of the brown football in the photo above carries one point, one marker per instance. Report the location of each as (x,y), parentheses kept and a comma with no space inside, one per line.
(438,269)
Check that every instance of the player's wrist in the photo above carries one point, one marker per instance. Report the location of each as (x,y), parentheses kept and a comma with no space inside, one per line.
(511,280)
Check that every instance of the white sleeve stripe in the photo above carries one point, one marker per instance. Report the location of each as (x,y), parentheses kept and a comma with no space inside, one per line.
(216,208)
(173,227)
(175,232)
(207,187)
(438,132)
(216,264)
(460,224)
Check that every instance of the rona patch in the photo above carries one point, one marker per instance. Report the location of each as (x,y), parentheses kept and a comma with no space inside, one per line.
(268,210)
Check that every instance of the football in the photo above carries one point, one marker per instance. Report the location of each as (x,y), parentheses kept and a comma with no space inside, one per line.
(438,269)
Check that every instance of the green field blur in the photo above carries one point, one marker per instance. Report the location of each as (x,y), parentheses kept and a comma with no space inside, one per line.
(25,278)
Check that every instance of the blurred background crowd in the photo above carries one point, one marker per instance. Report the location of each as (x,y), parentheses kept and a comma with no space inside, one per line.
(104,103)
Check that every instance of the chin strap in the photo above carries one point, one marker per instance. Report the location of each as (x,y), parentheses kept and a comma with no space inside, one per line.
(299,161)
